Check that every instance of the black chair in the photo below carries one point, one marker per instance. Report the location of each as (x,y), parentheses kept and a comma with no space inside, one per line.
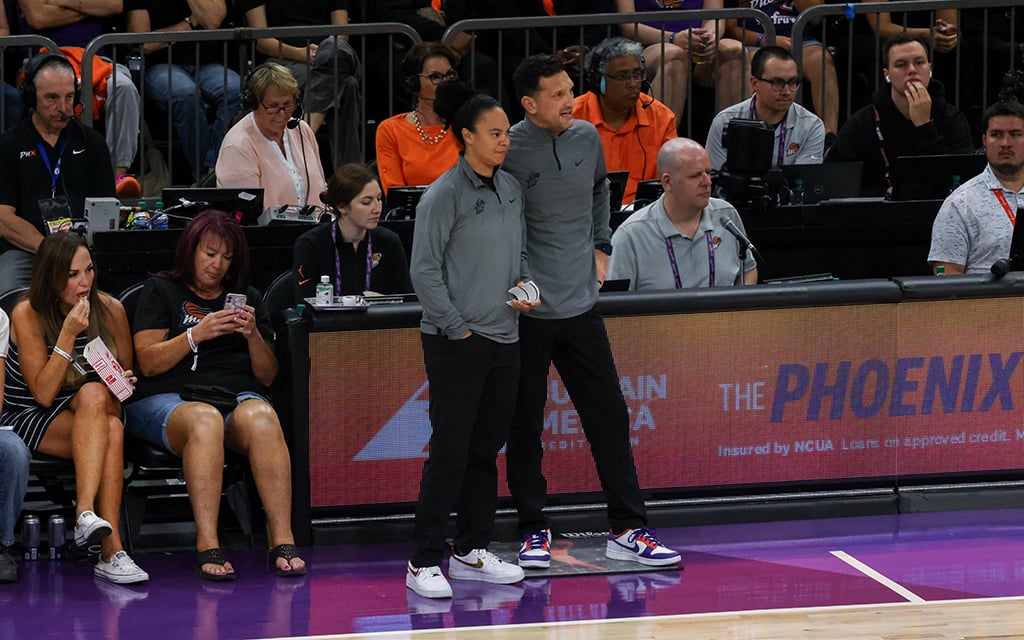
(279,296)
(157,474)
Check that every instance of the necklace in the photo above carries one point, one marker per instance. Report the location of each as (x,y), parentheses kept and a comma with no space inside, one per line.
(424,136)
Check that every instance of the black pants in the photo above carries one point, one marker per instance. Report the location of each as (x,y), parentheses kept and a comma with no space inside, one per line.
(579,349)
(472,401)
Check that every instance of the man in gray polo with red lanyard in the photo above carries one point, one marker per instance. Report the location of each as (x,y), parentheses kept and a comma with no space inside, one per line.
(974,226)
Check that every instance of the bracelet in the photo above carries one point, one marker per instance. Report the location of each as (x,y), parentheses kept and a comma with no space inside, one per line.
(62,353)
(760,39)
(188,21)
(672,38)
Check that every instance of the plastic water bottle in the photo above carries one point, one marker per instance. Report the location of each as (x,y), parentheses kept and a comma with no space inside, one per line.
(324,291)
(796,195)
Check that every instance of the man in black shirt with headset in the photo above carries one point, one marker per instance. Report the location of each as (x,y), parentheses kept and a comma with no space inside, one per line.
(49,164)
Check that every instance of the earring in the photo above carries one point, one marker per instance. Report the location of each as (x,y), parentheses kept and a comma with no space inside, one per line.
(887,78)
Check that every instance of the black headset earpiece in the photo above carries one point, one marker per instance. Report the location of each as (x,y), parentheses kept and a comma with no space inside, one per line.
(247,99)
(412,84)
(28,85)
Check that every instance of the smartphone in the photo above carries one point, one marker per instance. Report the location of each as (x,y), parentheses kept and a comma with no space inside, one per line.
(234,301)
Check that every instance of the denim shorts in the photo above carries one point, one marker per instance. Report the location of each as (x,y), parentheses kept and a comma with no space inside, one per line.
(147,418)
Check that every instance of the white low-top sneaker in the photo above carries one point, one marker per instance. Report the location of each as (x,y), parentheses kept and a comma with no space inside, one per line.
(120,569)
(90,529)
(640,545)
(484,566)
(428,582)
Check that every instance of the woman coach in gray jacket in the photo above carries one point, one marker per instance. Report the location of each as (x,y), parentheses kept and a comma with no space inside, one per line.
(469,248)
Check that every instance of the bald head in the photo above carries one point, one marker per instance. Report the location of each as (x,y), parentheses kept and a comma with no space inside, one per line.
(677,152)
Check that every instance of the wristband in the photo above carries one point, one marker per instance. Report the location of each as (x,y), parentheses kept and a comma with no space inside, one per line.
(672,38)
(62,353)
(760,39)
(195,349)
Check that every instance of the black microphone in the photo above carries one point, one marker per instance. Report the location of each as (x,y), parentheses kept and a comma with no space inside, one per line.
(64,117)
(650,90)
(731,227)
(1003,266)
(292,123)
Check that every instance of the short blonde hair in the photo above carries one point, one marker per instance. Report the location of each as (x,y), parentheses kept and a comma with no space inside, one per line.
(271,74)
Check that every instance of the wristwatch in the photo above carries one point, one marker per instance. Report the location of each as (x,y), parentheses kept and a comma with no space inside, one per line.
(192,25)
(606,247)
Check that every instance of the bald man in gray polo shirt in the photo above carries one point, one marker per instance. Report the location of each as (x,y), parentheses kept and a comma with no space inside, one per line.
(679,241)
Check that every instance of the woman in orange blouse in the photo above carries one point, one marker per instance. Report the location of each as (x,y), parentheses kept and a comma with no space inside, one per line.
(414,148)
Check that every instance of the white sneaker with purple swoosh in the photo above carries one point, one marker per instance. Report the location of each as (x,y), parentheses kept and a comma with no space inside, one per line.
(640,545)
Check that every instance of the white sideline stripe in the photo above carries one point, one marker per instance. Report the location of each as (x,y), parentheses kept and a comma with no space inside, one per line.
(878,577)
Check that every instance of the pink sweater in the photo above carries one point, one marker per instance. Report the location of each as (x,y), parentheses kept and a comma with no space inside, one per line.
(247,159)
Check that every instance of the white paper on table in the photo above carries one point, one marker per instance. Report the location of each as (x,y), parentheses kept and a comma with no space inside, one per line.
(109,369)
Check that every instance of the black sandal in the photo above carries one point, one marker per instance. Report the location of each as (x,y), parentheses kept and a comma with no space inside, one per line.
(213,556)
(288,553)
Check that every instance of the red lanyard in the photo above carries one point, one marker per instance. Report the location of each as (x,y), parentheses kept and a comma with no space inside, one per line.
(1006,206)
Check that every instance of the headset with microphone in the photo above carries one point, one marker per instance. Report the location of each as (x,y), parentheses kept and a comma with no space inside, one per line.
(32,69)
(597,61)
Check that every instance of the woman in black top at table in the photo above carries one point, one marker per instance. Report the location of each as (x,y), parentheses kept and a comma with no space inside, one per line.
(358,256)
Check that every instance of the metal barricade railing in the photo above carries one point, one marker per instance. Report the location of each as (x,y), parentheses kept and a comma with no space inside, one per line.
(616,24)
(115,45)
(30,42)
(847,12)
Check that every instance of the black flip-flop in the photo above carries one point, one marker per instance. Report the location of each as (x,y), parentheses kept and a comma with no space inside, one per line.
(288,552)
(213,556)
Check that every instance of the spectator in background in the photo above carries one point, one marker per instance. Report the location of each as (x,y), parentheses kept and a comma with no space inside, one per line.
(72,25)
(818,66)
(37,181)
(679,241)
(568,244)
(359,256)
(328,72)
(799,134)
(974,226)
(989,34)
(632,125)
(270,147)
(414,148)
(14,461)
(182,88)
(909,116)
(11,97)
(675,49)
(56,402)
(185,333)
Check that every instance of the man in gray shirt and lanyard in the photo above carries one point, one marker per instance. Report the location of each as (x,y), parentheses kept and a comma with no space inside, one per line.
(561,166)
(680,240)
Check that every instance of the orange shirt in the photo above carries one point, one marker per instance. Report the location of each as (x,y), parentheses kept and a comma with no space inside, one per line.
(403,159)
(635,146)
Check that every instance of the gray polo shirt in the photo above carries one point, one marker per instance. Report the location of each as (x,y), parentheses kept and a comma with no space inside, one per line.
(468,249)
(972,228)
(804,143)
(641,253)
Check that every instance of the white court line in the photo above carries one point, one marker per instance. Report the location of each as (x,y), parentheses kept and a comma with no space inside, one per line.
(878,577)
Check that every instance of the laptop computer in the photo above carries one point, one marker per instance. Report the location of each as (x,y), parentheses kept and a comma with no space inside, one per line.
(825,181)
(616,188)
(930,177)
(647,191)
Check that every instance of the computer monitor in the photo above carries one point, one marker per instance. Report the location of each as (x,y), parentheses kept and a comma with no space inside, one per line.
(825,181)
(647,191)
(930,177)
(616,188)
(244,203)
(401,202)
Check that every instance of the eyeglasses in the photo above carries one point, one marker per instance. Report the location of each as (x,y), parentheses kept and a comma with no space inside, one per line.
(436,77)
(275,109)
(635,75)
(778,84)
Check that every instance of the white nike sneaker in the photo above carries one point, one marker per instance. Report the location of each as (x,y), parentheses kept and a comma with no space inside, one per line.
(483,566)
(428,582)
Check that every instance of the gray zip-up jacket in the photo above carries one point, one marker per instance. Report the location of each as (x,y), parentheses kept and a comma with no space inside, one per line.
(565,183)
(468,249)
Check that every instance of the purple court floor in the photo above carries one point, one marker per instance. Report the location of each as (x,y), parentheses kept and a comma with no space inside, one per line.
(810,563)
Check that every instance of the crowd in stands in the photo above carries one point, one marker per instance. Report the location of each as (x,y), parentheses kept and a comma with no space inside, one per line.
(516,146)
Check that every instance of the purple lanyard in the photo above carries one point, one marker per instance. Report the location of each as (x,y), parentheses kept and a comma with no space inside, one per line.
(337,259)
(708,235)
(782,131)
